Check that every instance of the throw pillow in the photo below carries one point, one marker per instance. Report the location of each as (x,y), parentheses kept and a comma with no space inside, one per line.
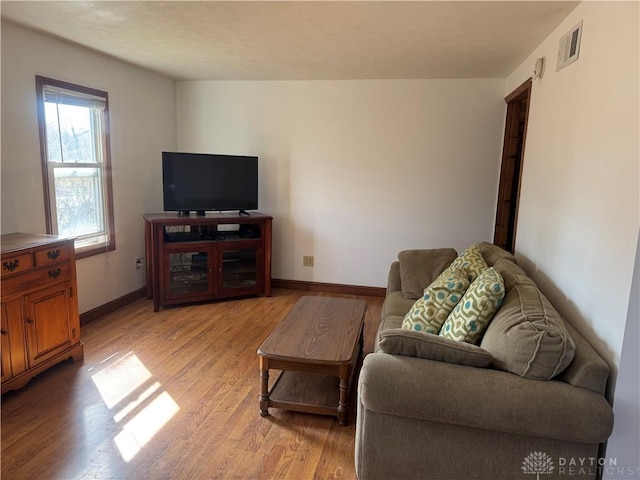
(470,317)
(429,313)
(432,347)
(419,268)
(528,336)
(471,261)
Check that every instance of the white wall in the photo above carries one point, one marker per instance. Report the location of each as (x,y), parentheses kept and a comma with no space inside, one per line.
(624,444)
(580,206)
(354,171)
(579,210)
(142,121)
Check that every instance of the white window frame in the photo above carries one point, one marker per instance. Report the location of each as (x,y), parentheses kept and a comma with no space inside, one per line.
(49,90)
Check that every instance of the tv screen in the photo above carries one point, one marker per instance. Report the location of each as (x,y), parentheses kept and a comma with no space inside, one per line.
(205,182)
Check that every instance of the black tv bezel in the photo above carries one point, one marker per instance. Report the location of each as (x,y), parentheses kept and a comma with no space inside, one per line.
(242,207)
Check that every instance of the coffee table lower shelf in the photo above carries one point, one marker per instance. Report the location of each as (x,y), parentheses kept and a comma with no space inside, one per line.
(305,392)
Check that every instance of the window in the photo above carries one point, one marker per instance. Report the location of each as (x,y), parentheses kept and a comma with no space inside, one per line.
(76,164)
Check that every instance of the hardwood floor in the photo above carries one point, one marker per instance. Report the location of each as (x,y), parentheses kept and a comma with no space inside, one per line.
(172,394)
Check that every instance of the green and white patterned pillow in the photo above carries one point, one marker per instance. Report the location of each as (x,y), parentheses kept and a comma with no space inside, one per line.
(471,261)
(469,319)
(438,300)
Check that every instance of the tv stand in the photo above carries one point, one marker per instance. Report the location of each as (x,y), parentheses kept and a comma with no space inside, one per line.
(200,258)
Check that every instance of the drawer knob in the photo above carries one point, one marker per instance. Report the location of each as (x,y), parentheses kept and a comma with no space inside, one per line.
(30,320)
(4,332)
(11,265)
(53,254)
(54,273)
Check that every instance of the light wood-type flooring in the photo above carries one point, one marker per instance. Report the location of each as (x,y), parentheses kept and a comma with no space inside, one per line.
(172,395)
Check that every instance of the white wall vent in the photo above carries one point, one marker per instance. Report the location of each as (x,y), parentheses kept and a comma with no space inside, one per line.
(569,47)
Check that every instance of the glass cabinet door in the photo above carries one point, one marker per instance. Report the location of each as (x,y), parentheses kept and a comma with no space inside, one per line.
(239,269)
(188,273)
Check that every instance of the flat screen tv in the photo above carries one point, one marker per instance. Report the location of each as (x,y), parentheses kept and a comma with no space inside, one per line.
(204,182)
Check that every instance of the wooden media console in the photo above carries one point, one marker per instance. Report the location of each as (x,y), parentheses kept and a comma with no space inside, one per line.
(198,258)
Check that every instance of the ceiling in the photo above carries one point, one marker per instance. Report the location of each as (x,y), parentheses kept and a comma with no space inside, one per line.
(299,40)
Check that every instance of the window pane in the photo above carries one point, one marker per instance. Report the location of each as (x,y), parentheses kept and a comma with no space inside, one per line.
(76,167)
(53,133)
(78,200)
(71,126)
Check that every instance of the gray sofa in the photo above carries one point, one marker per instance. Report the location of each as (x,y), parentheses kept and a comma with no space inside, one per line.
(506,408)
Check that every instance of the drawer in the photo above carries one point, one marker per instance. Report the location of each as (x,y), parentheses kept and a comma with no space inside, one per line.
(41,277)
(51,255)
(16,263)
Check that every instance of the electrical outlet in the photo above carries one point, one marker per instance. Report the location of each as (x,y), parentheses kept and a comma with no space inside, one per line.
(139,263)
(307,261)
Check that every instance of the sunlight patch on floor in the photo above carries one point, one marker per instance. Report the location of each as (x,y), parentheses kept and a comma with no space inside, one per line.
(122,414)
(120,379)
(117,384)
(141,428)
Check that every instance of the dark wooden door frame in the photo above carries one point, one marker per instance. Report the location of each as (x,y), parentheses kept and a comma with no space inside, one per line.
(515,134)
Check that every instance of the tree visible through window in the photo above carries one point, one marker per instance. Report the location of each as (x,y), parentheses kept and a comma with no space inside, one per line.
(76,165)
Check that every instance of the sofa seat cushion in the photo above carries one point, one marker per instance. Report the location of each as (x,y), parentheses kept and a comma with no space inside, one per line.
(428,313)
(390,322)
(395,304)
(469,319)
(419,268)
(387,323)
(432,347)
(528,337)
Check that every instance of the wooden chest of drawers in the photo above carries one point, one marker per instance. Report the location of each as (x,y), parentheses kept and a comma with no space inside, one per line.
(39,307)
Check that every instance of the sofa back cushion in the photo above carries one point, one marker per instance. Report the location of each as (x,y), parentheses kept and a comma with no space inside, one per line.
(492,253)
(512,274)
(528,337)
(419,268)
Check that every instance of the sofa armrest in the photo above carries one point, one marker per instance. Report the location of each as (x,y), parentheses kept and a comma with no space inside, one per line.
(393,280)
(588,369)
(482,398)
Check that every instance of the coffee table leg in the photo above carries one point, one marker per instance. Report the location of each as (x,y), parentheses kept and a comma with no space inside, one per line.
(343,406)
(264,386)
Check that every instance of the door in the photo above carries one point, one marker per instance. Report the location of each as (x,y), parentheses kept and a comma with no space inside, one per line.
(14,360)
(511,171)
(187,272)
(240,268)
(50,325)
(7,373)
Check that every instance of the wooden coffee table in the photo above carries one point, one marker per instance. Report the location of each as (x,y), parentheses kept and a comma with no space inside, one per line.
(319,339)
